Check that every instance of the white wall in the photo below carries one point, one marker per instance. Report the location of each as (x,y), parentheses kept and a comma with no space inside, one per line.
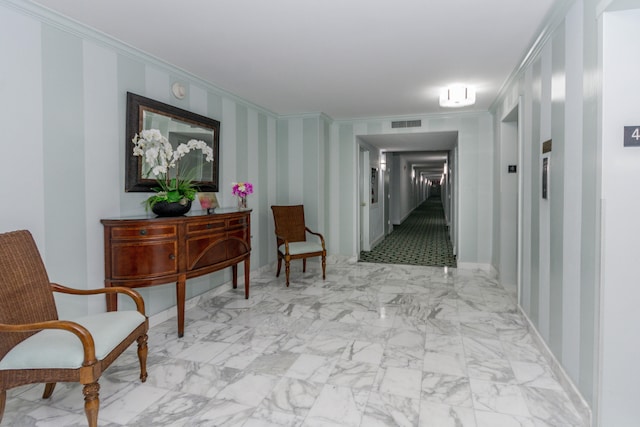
(21,111)
(620,225)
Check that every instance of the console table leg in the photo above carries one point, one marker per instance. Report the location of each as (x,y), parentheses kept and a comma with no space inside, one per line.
(112,300)
(180,294)
(234,270)
(246,278)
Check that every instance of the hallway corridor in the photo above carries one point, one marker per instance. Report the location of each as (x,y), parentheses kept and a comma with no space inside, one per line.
(421,239)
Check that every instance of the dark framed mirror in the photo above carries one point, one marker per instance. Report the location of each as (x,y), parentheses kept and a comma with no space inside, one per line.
(178,126)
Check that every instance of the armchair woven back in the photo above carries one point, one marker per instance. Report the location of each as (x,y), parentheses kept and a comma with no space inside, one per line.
(25,294)
(289,221)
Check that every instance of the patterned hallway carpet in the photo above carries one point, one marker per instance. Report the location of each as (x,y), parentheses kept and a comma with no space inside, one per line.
(422,239)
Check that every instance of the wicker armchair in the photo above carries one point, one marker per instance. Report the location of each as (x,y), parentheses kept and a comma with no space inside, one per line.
(291,235)
(36,347)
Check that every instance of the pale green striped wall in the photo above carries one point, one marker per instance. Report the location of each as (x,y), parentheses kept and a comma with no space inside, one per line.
(559,234)
(300,160)
(64,154)
(76,82)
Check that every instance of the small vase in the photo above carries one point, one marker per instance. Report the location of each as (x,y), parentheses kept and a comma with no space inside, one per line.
(242,203)
(171,209)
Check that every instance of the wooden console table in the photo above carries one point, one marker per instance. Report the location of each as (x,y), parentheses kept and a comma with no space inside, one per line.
(148,251)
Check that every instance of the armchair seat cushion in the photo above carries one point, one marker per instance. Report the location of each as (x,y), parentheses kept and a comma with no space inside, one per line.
(55,348)
(297,248)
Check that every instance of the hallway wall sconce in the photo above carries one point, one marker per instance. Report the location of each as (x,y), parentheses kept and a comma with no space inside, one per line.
(383,164)
(456,96)
(178,90)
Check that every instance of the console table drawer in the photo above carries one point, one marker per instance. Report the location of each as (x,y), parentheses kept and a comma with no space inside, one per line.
(205,227)
(237,222)
(240,234)
(141,232)
(206,250)
(140,260)
(237,247)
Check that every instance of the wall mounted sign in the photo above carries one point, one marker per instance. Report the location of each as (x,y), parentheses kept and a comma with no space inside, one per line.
(632,136)
(512,169)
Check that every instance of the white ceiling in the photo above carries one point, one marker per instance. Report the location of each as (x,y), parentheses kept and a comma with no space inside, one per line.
(345,58)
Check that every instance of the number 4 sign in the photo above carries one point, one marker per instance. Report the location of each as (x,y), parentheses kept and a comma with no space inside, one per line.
(632,136)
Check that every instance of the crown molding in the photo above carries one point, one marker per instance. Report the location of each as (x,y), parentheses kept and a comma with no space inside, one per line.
(73,27)
(423,116)
(320,115)
(551,22)
(616,5)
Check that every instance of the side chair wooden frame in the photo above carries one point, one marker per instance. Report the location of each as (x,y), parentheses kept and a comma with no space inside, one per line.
(284,236)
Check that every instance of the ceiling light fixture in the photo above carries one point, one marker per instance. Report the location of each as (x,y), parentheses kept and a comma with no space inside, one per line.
(457,96)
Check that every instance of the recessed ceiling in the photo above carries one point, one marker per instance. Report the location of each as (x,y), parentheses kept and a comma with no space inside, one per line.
(426,152)
(419,141)
(346,58)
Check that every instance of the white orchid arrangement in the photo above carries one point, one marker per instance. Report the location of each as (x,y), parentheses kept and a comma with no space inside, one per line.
(160,158)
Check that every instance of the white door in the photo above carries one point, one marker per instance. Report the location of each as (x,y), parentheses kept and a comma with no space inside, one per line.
(365,199)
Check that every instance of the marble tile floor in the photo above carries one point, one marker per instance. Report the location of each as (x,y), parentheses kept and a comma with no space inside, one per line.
(373,345)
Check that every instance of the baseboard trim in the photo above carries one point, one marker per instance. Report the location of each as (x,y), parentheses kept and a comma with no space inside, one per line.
(494,271)
(475,266)
(565,380)
(377,241)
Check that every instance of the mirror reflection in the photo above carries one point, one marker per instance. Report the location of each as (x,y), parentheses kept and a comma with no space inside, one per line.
(178,126)
(178,132)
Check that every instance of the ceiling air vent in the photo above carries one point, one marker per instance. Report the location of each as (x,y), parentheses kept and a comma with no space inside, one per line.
(407,124)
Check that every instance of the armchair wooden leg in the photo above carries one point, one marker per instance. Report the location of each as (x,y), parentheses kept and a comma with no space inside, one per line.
(287,269)
(304,265)
(142,356)
(324,267)
(279,266)
(91,402)
(48,390)
(3,399)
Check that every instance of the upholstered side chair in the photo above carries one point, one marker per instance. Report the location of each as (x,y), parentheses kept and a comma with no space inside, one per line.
(37,347)
(291,236)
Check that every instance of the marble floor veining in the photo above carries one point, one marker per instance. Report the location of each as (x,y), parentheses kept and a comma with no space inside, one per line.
(372,345)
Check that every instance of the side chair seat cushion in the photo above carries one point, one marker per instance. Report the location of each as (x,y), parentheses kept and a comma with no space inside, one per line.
(56,348)
(297,248)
